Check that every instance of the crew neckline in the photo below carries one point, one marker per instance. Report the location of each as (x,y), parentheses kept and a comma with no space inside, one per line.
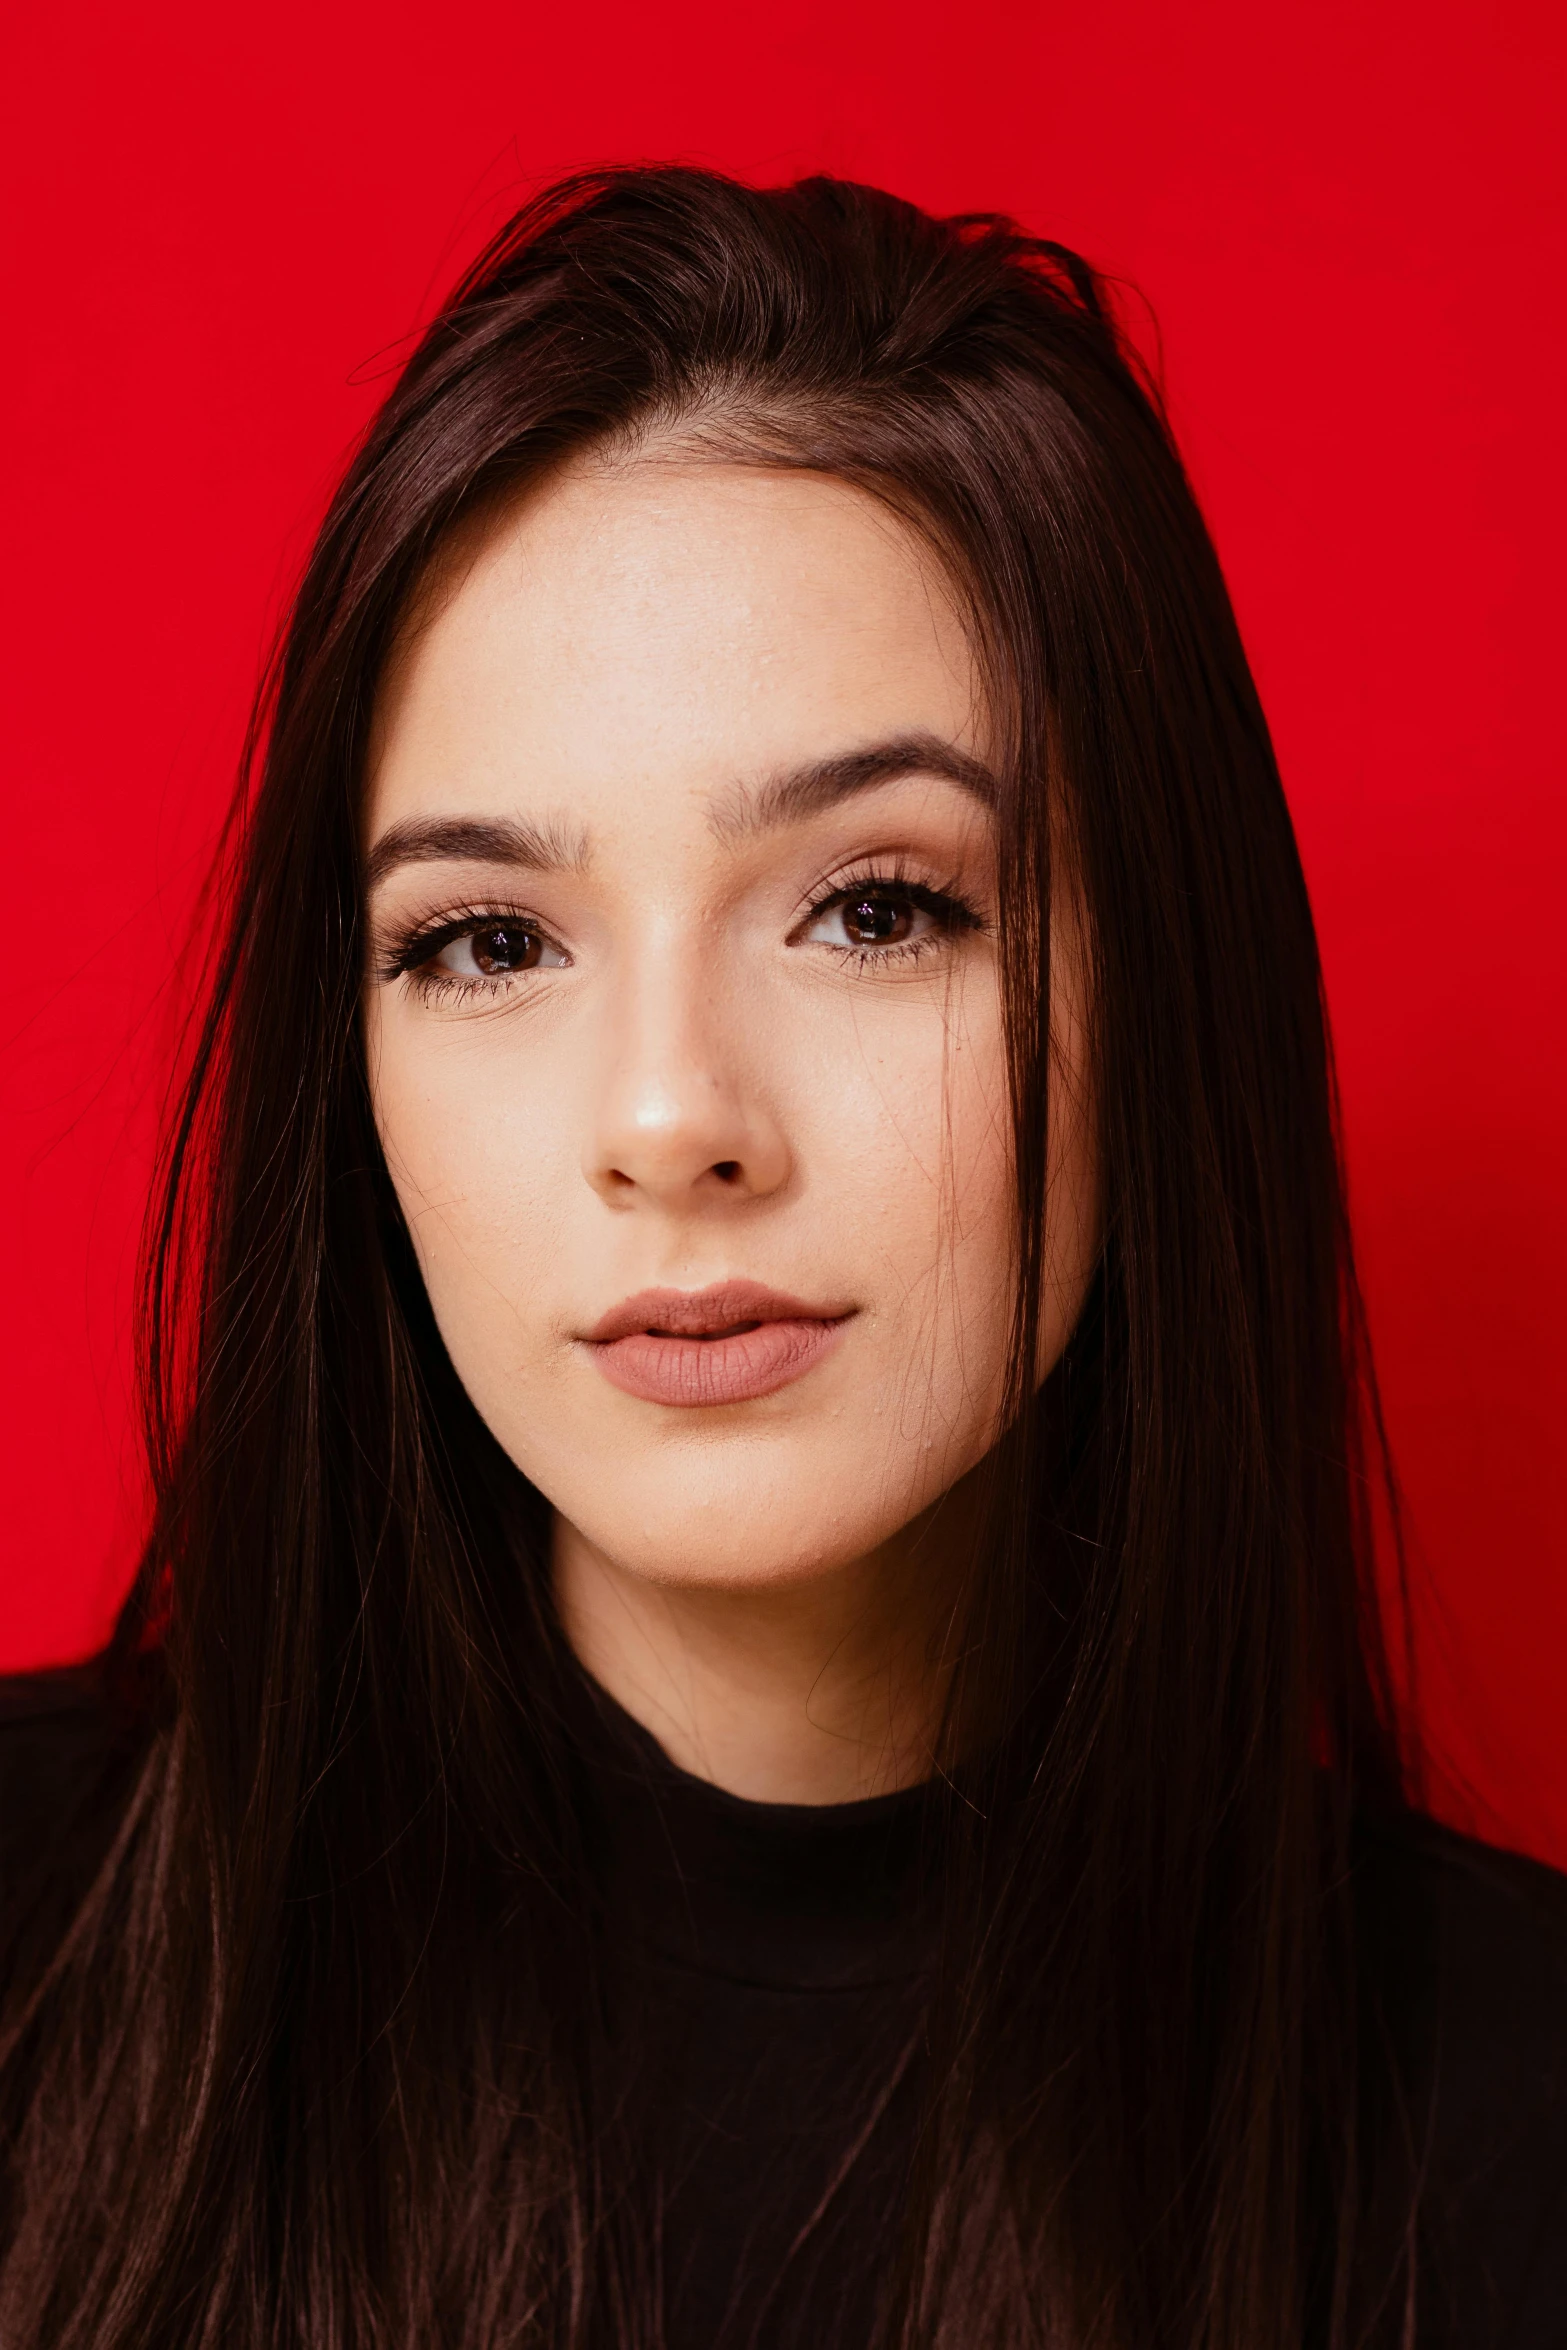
(792,1897)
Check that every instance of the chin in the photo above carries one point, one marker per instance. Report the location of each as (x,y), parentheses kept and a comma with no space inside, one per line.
(747,1515)
(731,1538)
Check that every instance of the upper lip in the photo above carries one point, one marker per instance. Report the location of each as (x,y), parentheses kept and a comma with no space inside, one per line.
(705,1313)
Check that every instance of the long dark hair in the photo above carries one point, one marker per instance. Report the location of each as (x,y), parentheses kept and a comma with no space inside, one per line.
(245,2105)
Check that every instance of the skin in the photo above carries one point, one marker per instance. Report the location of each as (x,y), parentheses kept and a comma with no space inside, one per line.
(709,1075)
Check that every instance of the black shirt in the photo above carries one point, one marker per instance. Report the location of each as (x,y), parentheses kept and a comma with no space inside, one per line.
(775,1990)
(777,1961)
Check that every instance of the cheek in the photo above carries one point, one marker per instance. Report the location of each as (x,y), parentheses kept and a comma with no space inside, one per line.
(478,1158)
(909,1195)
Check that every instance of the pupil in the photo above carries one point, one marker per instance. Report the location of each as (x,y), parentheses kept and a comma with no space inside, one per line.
(503,946)
(874,921)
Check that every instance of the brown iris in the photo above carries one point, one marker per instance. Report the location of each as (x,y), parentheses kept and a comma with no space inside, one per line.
(505,946)
(877,922)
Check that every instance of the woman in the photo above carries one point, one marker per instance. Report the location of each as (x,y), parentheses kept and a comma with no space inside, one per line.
(755,1711)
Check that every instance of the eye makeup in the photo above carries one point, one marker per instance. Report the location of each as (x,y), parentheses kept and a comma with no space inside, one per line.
(877,916)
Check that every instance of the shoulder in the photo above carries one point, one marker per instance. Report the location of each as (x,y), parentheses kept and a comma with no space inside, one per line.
(54,1742)
(1466,1973)
(64,1769)
(1443,1911)
(1467,1945)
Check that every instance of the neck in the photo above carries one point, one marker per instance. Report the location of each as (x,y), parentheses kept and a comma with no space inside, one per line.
(819,1690)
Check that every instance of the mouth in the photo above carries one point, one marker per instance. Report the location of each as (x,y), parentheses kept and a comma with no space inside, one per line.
(724,1345)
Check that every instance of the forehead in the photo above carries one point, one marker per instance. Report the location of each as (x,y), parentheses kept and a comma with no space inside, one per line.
(657,633)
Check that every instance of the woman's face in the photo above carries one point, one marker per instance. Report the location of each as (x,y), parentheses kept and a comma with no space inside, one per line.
(683,1016)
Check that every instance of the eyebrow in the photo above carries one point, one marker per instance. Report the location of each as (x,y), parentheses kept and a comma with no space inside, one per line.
(472,839)
(738,814)
(805,791)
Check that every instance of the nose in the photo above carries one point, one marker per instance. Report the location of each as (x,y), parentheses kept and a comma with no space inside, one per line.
(683,1120)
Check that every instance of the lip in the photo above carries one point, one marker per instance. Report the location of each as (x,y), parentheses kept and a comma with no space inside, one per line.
(728,1344)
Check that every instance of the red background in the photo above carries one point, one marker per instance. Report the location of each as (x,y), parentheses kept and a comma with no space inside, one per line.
(224,223)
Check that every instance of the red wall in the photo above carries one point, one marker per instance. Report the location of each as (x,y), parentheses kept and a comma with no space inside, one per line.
(224,223)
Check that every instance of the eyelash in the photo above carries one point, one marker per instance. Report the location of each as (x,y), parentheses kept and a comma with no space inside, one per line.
(951,913)
(412,956)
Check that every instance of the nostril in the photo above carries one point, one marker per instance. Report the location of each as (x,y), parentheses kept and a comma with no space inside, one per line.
(727,1170)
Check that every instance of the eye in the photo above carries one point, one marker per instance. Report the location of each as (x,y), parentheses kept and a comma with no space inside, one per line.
(879,921)
(872,917)
(490,950)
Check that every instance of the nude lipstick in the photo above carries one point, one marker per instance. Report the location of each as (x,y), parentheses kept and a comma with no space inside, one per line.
(728,1344)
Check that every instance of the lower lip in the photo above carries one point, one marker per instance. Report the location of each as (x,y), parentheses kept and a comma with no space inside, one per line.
(732,1369)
